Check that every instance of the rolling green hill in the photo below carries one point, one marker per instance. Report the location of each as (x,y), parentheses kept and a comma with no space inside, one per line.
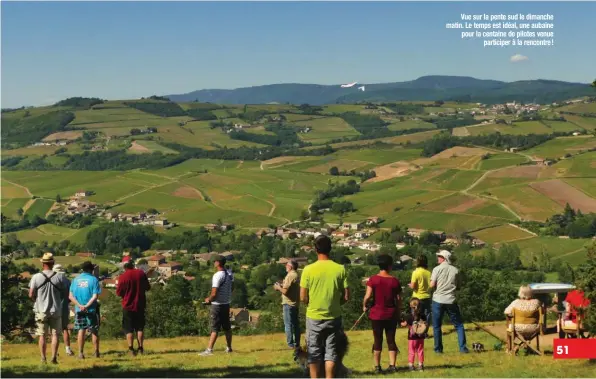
(257,165)
(429,88)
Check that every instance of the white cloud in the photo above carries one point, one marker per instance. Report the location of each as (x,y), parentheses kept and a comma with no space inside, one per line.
(518,58)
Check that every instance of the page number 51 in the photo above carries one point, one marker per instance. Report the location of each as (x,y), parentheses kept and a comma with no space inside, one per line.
(575,348)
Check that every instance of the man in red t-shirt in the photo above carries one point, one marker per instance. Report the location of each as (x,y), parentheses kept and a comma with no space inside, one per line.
(132,285)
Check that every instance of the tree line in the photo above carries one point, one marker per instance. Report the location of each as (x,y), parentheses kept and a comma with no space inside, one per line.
(79,102)
(571,222)
(284,136)
(363,175)
(443,141)
(20,132)
(489,280)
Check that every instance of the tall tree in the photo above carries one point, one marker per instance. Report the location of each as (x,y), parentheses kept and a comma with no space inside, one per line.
(17,313)
(586,281)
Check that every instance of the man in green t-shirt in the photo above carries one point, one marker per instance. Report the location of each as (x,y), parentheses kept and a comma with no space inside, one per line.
(323,288)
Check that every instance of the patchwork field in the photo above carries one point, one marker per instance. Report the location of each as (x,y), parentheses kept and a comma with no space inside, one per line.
(456,180)
(10,190)
(496,161)
(411,124)
(72,260)
(52,233)
(326,129)
(398,140)
(146,146)
(11,206)
(561,250)
(456,157)
(528,203)
(518,128)
(70,135)
(588,123)
(587,185)
(462,188)
(560,146)
(502,233)
(39,207)
(581,166)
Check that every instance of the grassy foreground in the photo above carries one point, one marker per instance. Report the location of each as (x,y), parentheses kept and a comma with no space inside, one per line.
(267,356)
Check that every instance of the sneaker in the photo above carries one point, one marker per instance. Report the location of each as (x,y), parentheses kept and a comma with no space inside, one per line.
(465,351)
(420,368)
(228,350)
(81,356)
(378,370)
(206,353)
(391,369)
(69,352)
(54,361)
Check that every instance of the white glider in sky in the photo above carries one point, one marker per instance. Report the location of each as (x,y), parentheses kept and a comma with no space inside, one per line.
(348,85)
(361,88)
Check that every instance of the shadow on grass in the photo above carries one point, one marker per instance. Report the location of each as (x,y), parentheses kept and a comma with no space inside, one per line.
(122,353)
(401,369)
(256,371)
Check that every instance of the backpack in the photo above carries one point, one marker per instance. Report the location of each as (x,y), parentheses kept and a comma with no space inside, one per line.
(419,327)
(48,280)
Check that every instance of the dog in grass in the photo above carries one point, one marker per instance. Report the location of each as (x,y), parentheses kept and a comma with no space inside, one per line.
(341,371)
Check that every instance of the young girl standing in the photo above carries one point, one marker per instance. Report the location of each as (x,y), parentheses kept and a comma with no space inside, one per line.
(416,336)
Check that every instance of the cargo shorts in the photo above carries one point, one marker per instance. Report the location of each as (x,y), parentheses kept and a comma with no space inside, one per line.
(47,324)
(321,339)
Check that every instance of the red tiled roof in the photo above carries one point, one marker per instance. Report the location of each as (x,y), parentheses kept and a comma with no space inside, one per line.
(156,258)
(170,264)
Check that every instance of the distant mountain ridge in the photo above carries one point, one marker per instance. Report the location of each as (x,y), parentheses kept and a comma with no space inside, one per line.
(425,88)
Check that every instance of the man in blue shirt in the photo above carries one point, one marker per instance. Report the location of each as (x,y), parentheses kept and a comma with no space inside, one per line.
(84,291)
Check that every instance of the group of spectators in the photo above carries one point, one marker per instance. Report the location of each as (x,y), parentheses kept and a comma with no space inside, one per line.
(52,293)
(323,288)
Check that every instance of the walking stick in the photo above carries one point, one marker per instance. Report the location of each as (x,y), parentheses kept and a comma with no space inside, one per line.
(357,321)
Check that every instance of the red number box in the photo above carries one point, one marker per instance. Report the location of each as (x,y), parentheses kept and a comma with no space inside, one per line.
(574,348)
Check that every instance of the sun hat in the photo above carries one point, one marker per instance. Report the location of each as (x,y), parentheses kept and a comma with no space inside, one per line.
(47,258)
(445,254)
(58,268)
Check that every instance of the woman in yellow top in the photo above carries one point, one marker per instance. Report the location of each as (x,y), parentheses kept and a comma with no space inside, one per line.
(420,283)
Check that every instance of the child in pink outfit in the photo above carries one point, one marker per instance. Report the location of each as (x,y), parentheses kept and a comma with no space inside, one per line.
(415,341)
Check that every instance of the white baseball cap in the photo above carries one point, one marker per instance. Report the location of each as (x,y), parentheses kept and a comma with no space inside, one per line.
(445,254)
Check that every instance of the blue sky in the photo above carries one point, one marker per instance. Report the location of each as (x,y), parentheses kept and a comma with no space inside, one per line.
(118,50)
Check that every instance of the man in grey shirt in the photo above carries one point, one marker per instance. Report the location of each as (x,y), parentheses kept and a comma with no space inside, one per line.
(444,280)
(48,289)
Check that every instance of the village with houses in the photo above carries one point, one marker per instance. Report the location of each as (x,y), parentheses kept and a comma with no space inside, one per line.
(79,203)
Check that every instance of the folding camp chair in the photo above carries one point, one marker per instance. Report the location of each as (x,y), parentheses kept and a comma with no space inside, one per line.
(516,340)
(570,329)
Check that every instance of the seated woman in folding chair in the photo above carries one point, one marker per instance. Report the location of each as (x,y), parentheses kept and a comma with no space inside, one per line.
(525,313)
(570,321)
